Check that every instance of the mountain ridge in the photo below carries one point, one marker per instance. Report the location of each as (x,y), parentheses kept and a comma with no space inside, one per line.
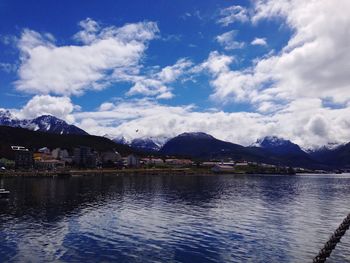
(43,123)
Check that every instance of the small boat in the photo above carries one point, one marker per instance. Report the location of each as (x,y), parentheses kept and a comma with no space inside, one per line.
(4,193)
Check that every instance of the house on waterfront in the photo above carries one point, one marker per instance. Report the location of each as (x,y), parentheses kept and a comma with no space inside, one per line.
(62,155)
(59,154)
(110,158)
(84,157)
(49,164)
(179,162)
(23,157)
(133,161)
(44,150)
(153,161)
(43,153)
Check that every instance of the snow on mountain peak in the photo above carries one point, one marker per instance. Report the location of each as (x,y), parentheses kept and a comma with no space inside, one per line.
(271,141)
(196,135)
(44,123)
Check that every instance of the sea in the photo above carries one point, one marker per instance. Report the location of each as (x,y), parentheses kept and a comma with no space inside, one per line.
(173,218)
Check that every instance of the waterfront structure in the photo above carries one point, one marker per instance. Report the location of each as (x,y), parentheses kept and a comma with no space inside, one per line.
(42,154)
(44,150)
(133,161)
(241,164)
(223,169)
(23,157)
(153,161)
(179,162)
(110,157)
(49,164)
(59,153)
(84,157)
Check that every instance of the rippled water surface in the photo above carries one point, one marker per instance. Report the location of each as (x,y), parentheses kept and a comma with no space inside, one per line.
(222,218)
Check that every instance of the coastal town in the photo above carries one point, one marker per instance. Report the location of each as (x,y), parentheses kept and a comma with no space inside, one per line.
(84,159)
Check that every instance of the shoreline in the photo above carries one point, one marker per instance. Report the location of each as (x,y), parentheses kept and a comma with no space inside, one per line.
(136,172)
(97,172)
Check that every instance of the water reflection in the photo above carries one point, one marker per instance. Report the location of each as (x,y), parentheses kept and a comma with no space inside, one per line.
(173,218)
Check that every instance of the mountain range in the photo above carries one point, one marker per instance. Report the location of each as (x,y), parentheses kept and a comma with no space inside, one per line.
(268,150)
(202,146)
(44,123)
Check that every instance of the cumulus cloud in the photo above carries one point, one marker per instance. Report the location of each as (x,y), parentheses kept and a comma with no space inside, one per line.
(259,42)
(305,122)
(60,107)
(313,64)
(47,68)
(228,85)
(233,14)
(157,84)
(125,117)
(88,34)
(228,40)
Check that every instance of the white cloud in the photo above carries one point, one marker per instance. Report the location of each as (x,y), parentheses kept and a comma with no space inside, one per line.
(88,34)
(64,70)
(228,85)
(61,107)
(152,119)
(228,40)
(108,55)
(259,42)
(216,63)
(314,63)
(157,84)
(232,14)
(305,122)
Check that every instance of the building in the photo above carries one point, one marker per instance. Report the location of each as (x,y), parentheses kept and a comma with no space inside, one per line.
(49,164)
(133,161)
(84,157)
(178,162)
(45,150)
(23,157)
(241,164)
(59,154)
(223,169)
(153,161)
(109,158)
(42,154)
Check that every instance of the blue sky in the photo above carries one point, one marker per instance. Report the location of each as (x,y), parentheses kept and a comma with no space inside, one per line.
(237,69)
(187,29)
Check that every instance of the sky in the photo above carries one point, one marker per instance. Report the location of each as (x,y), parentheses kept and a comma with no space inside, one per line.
(238,70)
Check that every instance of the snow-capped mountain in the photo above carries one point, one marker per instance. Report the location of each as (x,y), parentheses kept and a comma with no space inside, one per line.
(44,123)
(152,144)
(278,145)
(196,135)
(145,144)
(338,156)
(328,147)
(119,139)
